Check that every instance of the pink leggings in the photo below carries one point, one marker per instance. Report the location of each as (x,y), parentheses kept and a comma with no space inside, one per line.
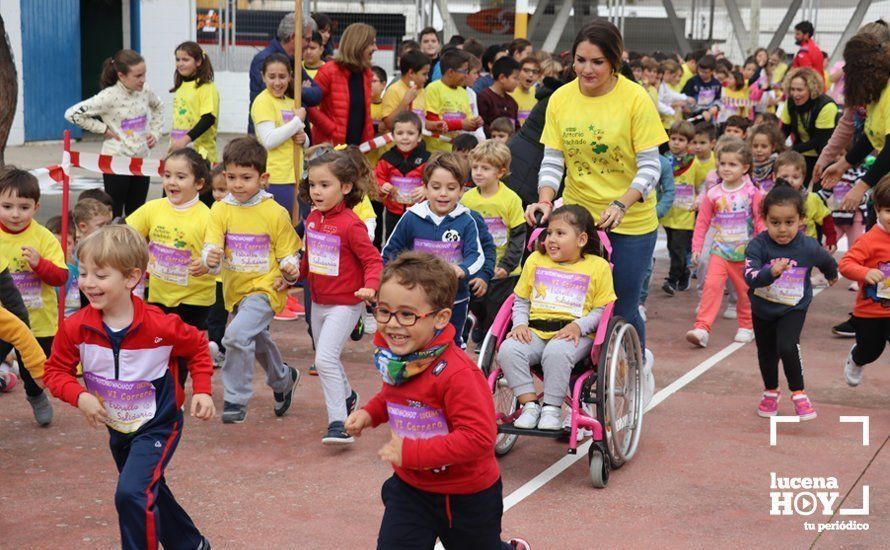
(852,231)
(719,269)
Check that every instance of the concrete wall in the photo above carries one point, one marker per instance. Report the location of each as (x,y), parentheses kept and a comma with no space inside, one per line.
(12,18)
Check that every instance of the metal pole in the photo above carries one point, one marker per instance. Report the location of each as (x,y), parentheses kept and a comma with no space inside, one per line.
(711,24)
(755,26)
(298,98)
(66,187)
(692,18)
(520,19)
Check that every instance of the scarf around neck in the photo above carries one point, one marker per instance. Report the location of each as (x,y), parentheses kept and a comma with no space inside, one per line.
(397,369)
(760,172)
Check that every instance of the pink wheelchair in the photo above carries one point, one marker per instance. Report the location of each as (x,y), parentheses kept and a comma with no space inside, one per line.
(608,384)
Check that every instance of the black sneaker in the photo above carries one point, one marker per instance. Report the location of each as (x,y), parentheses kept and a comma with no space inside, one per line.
(233,413)
(337,435)
(283,399)
(351,402)
(469,327)
(683,286)
(42,408)
(358,331)
(668,287)
(845,329)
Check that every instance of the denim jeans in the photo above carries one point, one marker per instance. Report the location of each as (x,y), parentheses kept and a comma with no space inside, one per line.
(631,259)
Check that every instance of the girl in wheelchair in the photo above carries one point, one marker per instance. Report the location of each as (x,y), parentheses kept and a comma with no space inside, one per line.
(560,297)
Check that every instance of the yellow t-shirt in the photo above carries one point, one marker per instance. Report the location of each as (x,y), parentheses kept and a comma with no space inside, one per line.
(687,74)
(779,73)
(175,238)
(600,137)
(682,212)
(280,163)
(311,72)
(525,100)
(39,297)
(364,210)
(562,292)
(449,104)
(254,238)
(816,212)
(877,122)
(393,96)
(824,120)
(729,93)
(501,212)
(190,103)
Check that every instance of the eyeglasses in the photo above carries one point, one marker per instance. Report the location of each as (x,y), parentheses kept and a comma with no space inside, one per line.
(531,70)
(403,317)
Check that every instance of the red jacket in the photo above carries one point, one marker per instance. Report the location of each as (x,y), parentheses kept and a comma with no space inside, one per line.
(452,390)
(810,55)
(407,166)
(148,351)
(330,116)
(871,251)
(337,242)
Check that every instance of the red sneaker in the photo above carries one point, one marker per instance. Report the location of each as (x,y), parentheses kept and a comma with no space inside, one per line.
(286,315)
(294,305)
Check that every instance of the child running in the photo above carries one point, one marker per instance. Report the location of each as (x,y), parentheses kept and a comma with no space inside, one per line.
(777,270)
(446,481)
(791,169)
(399,171)
(218,316)
(733,209)
(343,269)
(559,300)
(868,263)
(130,353)
(766,141)
(250,238)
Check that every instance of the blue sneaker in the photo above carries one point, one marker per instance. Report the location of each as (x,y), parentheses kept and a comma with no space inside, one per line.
(337,435)
(233,413)
(351,402)
(283,399)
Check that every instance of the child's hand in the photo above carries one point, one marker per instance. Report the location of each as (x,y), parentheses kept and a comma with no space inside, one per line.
(780,266)
(458,271)
(111,134)
(392,451)
(874,276)
(832,282)
(478,287)
(521,333)
(571,331)
(291,271)
(366,294)
(299,138)
(831,248)
(279,284)
(214,257)
(93,410)
(180,143)
(202,406)
(30,255)
(197,267)
(386,188)
(151,141)
(471,124)
(500,273)
(437,126)
(695,258)
(301,112)
(418,195)
(358,421)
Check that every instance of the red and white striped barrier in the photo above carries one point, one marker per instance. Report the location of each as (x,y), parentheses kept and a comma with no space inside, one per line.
(386,139)
(51,177)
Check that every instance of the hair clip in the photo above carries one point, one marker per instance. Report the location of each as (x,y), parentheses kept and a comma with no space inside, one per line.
(341,147)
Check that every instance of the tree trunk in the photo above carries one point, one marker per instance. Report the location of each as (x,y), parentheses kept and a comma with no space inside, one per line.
(8,89)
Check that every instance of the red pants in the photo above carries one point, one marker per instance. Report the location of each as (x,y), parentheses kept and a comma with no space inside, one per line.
(712,293)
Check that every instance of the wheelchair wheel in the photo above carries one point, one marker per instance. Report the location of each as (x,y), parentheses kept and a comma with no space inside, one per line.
(598,462)
(504,401)
(619,387)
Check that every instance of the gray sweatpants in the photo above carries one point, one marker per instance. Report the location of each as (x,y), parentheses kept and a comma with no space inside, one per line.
(247,337)
(331,326)
(557,357)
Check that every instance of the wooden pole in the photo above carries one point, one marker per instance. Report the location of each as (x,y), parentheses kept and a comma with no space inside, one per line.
(298,87)
(66,186)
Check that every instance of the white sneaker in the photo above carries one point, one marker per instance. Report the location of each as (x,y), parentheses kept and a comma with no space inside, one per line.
(567,423)
(643,312)
(818,281)
(528,420)
(698,336)
(216,354)
(648,377)
(370,322)
(854,286)
(852,371)
(744,335)
(730,312)
(550,418)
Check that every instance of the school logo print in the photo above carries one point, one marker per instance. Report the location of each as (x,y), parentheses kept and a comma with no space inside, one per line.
(451,236)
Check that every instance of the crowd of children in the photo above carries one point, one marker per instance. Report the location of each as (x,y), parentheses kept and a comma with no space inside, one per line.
(420,242)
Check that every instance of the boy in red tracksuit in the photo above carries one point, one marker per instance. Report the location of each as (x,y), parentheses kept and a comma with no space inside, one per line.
(446,483)
(400,170)
(130,354)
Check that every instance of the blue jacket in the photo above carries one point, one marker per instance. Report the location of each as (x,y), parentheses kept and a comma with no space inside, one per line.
(664,189)
(488,247)
(311,95)
(419,229)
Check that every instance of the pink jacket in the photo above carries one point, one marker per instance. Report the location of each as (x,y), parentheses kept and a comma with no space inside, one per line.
(736,217)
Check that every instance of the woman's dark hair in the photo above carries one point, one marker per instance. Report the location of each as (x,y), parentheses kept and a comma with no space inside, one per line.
(283,59)
(323,21)
(606,37)
(348,166)
(204,70)
(579,218)
(866,69)
(197,163)
(490,53)
(783,195)
(121,62)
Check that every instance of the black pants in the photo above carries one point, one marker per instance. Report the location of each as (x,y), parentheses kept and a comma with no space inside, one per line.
(486,308)
(679,242)
(872,336)
(389,223)
(128,192)
(780,339)
(217,319)
(378,229)
(195,316)
(413,519)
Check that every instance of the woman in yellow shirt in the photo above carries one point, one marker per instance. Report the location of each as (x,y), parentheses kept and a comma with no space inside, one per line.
(195,102)
(809,116)
(602,132)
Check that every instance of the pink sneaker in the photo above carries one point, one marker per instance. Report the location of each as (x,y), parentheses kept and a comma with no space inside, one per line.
(802,406)
(769,403)
(520,544)
(8,380)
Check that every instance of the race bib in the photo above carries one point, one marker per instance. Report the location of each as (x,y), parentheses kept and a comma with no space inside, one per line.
(454,116)
(523,114)
(129,404)
(134,126)
(684,197)
(450,251)
(838,193)
(559,292)
(29,286)
(405,188)
(884,286)
(247,253)
(324,253)
(72,297)
(787,290)
(287,115)
(178,134)
(416,422)
(732,226)
(767,185)
(169,264)
(707,96)
(498,230)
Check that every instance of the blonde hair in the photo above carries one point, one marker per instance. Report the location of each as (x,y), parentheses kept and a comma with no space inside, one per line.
(87,209)
(493,152)
(812,80)
(353,42)
(551,67)
(735,146)
(119,247)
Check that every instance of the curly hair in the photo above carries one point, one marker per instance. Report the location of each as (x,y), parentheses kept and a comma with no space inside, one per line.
(347,165)
(813,81)
(866,68)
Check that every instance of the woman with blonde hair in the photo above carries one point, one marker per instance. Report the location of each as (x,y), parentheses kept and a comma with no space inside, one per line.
(809,116)
(344,114)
